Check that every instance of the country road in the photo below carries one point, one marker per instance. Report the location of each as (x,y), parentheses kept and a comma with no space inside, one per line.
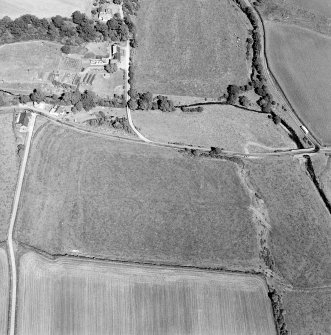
(12,224)
(277,91)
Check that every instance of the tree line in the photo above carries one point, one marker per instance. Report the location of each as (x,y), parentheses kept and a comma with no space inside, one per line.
(257,81)
(72,31)
(86,100)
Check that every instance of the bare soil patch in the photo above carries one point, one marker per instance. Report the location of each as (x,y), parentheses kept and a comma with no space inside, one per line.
(81,297)
(197,49)
(42,8)
(9,166)
(132,201)
(299,59)
(4,291)
(300,223)
(227,127)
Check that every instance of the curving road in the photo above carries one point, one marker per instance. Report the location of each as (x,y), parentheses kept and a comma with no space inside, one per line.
(277,91)
(12,224)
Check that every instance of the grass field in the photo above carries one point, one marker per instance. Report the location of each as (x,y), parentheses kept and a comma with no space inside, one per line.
(300,234)
(131,201)
(299,59)
(79,297)
(22,62)
(197,49)
(42,8)
(4,291)
(224,126)
(322,7)
(308,312)
(322,167)
(8,171)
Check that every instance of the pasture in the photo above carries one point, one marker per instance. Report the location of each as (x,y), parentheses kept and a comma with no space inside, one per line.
(308,312)
(81,297)
(218,125)
(299,59)
(4,291)
(300,234)
(89,195)
(42,8)
(322,167)
(28,62)
(197,49)
(107,87)
(9,166)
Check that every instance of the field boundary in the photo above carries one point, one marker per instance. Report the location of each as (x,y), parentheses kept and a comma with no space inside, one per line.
(86,257)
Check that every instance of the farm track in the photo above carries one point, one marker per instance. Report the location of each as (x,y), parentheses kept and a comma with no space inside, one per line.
(13,299)
(143,140)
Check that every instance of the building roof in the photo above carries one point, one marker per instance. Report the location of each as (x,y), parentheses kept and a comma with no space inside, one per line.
(23,119)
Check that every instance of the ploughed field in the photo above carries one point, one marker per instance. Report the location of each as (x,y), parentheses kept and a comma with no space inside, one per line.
(224,126)
(300,60)
(4,291)
(196,49)
(42,8)
(8,171)
(71,296)
(128,201)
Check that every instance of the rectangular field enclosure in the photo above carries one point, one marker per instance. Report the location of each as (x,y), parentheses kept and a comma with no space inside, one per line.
(69,296)
(196,49)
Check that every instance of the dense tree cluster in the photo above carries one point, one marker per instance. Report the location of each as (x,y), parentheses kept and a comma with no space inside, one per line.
(75,30)
(120,123)
(145,101)
(258,80)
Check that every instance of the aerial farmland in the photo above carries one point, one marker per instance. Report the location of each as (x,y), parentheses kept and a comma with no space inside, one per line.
(165,167)
(197,49)
(42,8)
(124,299)
(184,224)
(4,291)
(242,131)
(306,73)
(9,164)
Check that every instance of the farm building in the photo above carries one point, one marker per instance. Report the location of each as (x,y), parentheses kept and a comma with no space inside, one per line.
(57,111)
(99,62)
(108,10)
(22,121)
